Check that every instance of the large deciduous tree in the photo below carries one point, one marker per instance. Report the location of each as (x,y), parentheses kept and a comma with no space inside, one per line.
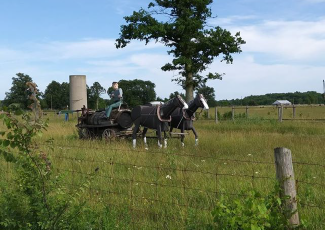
(18,92)
(208,93)
(57,95)
(94,94)
(137,92)
(183,28)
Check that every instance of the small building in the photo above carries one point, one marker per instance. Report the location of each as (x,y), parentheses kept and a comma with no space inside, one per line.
(281,102)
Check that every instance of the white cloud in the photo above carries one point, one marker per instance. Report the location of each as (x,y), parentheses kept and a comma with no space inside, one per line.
(230,20)
(290,50)
(246,77)
(286,40)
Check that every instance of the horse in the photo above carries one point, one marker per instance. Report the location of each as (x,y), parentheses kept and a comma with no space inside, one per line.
(183,119)
(155,117)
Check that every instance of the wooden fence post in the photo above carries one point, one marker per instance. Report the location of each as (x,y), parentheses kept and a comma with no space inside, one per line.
(286,179)
(294,111)
(208,111)
(216,115)
(280,113)
(233,113)
(246,112)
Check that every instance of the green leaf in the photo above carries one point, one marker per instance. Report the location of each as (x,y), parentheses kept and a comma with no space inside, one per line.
(6,143)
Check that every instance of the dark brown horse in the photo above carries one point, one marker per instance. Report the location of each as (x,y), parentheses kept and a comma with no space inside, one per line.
(155,117)
(183,119)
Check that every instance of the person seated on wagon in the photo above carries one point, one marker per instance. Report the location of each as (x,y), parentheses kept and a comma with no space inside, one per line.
(117,97)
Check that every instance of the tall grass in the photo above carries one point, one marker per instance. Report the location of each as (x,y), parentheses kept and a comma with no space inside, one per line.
(169,188)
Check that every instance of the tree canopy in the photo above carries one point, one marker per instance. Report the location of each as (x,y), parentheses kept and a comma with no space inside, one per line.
(310,97)
(94,98)
(137,92)
(56,95)
(183,28)
(18,93)
(208,93)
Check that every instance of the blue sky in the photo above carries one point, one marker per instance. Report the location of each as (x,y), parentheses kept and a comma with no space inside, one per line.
(52,39)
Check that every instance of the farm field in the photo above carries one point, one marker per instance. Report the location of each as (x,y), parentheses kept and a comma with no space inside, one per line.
(178,187)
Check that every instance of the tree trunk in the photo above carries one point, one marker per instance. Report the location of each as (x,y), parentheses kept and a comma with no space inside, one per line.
(97,104)
(189,87)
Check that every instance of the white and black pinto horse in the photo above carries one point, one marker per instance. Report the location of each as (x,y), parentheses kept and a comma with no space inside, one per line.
(155,117)
(183,119)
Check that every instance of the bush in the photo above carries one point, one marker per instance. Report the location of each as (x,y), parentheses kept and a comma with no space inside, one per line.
(252,212)
(34,197)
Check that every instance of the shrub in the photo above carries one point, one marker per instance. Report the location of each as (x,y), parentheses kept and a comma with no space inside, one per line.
(34,198)
(252,212)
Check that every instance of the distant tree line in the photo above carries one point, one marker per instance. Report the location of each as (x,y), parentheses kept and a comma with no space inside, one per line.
(310,97)
(56,95)
(135,92)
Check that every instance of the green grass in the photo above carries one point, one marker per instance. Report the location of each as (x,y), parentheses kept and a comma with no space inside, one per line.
(169,188)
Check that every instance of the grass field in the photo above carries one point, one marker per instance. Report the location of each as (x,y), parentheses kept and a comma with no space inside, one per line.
(169,188)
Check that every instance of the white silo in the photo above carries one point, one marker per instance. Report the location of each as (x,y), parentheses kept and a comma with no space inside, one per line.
(78,92)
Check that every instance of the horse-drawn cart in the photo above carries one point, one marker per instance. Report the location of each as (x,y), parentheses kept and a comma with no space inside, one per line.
(95,124)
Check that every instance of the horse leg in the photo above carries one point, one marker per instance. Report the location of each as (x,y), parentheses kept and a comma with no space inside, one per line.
(182,135)
(196,136)
(144,132)
(165,139)
(170,130)
(135,130)
(159,134)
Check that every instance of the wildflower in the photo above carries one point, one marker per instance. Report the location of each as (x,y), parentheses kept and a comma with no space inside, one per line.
(168,177)
(256,172)
(225,163)
(202,160)
(249,154)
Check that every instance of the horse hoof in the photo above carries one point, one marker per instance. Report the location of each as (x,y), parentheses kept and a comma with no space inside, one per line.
(146,148)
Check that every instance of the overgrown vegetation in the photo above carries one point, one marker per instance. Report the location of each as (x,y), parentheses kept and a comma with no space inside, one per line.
(33,196)
(253,212)
(165,189)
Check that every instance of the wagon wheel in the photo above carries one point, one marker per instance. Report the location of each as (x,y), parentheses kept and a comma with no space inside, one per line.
(84,133)
(108,134)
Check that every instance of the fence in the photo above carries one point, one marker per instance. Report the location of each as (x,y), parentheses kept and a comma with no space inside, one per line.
(165,189)
(280,113)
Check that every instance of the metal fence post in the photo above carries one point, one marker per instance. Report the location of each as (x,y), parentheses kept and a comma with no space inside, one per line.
(294,111)
(286,179)
(246,111)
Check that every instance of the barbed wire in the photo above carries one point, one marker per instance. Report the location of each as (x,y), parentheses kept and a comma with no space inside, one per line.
(160,152)
(166,168)
(180,155)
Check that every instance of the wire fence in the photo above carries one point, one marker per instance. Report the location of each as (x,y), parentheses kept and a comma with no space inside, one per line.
(313,113)
(174,187)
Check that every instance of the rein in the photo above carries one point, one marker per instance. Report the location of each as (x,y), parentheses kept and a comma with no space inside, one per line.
(187,118)
(159,117)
